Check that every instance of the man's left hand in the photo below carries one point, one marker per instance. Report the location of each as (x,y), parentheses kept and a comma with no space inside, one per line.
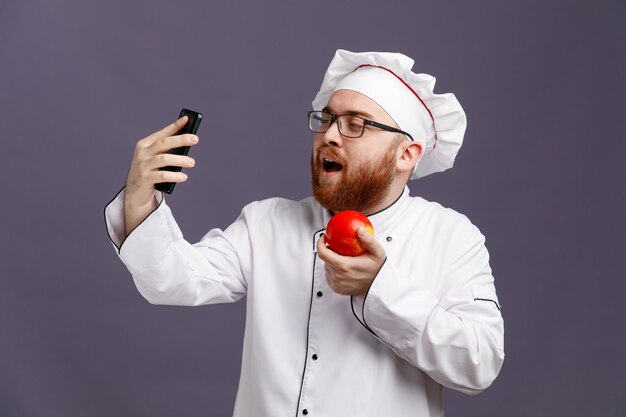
(352,275)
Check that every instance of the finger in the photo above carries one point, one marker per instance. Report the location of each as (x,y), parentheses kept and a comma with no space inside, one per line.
(337,266)
(330,279)
(168,176)
(331,276)
(168,130)
(370,243)
(326,254)
(164,144)
(168,159)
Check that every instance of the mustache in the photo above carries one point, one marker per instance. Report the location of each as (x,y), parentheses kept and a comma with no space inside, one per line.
(330,151)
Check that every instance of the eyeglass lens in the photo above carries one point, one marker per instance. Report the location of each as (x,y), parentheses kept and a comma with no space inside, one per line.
(349,126)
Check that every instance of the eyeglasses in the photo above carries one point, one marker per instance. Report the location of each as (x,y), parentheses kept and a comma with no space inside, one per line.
(349,126)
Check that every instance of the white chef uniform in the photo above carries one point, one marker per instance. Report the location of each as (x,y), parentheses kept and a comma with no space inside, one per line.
(430,319)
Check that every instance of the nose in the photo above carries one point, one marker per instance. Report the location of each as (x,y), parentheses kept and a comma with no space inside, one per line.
(332,136)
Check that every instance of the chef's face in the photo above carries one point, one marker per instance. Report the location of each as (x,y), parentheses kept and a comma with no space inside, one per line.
(354,173)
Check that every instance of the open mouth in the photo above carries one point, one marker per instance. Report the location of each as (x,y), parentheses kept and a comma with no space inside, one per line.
(330,165)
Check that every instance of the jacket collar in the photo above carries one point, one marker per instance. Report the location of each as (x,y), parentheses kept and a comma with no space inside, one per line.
(383,219)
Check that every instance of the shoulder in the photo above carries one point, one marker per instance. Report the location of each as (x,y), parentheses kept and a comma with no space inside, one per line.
(278,209)
(279,204)
(443,220)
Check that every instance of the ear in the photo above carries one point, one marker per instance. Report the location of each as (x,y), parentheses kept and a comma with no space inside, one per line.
(409,155)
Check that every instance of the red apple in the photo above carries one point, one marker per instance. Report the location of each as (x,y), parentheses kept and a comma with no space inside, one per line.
(341,231)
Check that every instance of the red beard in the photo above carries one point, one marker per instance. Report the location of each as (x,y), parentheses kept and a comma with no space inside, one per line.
(360,188)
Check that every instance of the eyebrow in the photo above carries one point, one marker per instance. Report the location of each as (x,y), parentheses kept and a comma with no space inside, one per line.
(351,113)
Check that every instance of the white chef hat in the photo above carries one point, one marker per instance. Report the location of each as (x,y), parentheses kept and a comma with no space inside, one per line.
(436,121)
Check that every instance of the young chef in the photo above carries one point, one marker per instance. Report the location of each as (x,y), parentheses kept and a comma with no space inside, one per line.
(327,335)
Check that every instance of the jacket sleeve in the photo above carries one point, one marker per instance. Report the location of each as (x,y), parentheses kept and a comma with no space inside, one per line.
(455,335)
(169,270)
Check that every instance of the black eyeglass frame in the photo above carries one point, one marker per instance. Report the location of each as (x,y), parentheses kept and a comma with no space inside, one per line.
(335,117)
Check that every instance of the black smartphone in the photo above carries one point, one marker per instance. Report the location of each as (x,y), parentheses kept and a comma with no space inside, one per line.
(193,122)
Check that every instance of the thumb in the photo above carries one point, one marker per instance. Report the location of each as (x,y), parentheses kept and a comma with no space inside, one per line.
(370,243)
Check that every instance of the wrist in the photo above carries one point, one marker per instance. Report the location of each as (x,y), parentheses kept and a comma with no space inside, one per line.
(136,210)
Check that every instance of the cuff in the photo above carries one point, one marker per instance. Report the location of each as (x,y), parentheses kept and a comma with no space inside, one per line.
(395,309)
(144,247)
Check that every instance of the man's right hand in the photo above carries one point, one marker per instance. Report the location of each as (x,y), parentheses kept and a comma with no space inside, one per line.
(150,155)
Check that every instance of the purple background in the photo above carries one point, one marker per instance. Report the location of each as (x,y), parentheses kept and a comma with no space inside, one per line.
(541,174)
